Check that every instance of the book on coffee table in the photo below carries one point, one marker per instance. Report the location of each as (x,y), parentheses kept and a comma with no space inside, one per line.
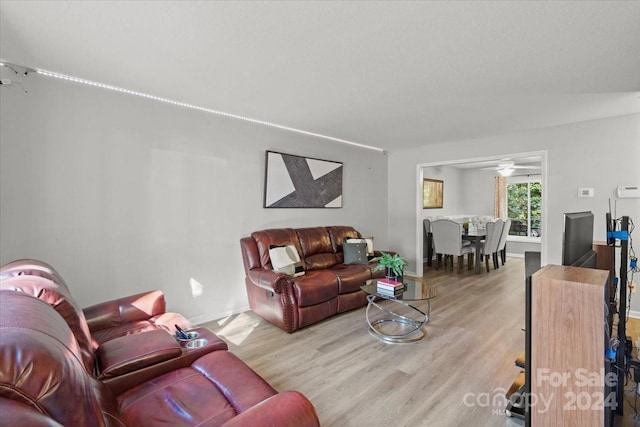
(391,293)
(389,284)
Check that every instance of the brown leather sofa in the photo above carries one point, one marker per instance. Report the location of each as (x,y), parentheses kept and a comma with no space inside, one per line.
(44,382)
(328,286)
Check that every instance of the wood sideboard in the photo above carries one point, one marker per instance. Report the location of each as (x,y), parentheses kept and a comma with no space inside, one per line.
(569,374)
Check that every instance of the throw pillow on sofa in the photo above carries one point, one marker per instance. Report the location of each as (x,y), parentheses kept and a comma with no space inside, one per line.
(285,259)
(355,253)
(367,240)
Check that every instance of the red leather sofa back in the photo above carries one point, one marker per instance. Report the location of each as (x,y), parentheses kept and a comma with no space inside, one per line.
(317,250)
(43,368)
(31,267)
(319,247)
(59,298)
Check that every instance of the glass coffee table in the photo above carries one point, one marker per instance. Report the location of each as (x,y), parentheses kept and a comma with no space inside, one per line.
(394,327)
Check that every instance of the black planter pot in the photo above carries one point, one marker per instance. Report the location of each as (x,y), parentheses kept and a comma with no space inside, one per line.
(390,274)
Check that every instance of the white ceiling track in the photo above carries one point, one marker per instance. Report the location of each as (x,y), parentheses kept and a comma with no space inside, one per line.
(183,104)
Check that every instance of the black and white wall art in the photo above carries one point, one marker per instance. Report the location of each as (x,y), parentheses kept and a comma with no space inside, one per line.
(302,182)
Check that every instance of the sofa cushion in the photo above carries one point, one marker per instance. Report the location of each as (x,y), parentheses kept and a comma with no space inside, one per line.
(315,287)
(355,253)
(367,240)
(285,259)
(314,240)
(216,388)
(192,398)
(351,276)
(321,261)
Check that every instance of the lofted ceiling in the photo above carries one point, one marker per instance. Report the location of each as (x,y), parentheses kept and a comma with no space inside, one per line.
(392,75)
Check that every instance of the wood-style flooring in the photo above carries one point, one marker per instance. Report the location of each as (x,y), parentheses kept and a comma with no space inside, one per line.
(455,376)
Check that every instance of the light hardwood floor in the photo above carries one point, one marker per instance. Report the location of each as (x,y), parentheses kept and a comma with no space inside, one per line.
(353,379)
(455,376)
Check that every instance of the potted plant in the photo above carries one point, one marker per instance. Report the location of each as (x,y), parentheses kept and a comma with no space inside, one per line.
(393,265)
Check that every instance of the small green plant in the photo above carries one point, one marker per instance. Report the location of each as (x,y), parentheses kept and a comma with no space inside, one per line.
(393,262)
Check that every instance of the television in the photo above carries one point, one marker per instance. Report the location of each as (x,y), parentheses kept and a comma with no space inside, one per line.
(577,240)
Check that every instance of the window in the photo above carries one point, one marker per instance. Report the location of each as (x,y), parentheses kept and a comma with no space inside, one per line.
(524,206)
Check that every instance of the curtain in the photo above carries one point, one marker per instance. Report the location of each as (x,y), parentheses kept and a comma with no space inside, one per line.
(500,204)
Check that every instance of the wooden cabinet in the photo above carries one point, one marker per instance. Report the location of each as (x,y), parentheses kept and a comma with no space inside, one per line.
(605,257)
(569,376)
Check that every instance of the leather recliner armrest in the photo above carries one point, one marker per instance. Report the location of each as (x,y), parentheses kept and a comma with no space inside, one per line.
(286,409)
(189,354)
(123,310)
(270,280)
(130,353)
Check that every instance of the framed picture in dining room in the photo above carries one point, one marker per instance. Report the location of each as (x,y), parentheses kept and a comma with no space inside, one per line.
(432,193)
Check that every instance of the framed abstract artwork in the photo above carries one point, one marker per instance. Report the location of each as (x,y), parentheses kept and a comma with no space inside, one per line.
(301,182)
(432,193)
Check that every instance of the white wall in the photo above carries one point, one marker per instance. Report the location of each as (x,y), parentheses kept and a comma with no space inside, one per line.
(466,191)
(602,154)
(452,197)
(123,195)
(477,191)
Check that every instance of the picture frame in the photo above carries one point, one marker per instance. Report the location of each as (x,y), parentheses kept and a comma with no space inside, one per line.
(293,181)
(432,193)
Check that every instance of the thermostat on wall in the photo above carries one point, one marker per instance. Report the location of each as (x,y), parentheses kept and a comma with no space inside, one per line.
(628,191)
(585,192)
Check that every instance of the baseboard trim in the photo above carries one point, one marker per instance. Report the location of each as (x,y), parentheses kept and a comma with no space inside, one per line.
(634,314)
(515,255)
(204,318)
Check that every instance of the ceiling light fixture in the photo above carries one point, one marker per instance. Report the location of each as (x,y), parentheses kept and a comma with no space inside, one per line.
(506,171)
(193,107)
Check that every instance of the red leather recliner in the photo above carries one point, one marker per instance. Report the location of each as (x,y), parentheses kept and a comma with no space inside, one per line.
(126,354)
(110,319)
(43,381)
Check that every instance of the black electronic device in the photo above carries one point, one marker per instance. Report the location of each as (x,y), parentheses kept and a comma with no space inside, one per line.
(180,333)
(577,241)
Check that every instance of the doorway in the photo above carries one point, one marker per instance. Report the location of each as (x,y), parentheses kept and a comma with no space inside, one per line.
(537,160)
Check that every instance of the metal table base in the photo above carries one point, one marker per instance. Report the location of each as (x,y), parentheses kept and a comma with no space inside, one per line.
(414,326)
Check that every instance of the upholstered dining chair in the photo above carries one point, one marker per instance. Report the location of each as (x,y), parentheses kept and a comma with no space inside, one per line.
(490,247)
(427,240)
(447,239)
(502,246)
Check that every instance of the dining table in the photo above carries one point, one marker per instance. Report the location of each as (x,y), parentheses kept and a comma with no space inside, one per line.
(475,237)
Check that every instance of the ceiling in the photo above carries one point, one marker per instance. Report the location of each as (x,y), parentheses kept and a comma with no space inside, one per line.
(392,75)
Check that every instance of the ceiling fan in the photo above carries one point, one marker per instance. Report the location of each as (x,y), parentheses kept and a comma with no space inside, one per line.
(506,167)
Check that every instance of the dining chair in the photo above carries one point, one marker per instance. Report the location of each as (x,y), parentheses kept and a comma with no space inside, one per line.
(490,247)
(502,246)
(427,240)
(447,240)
